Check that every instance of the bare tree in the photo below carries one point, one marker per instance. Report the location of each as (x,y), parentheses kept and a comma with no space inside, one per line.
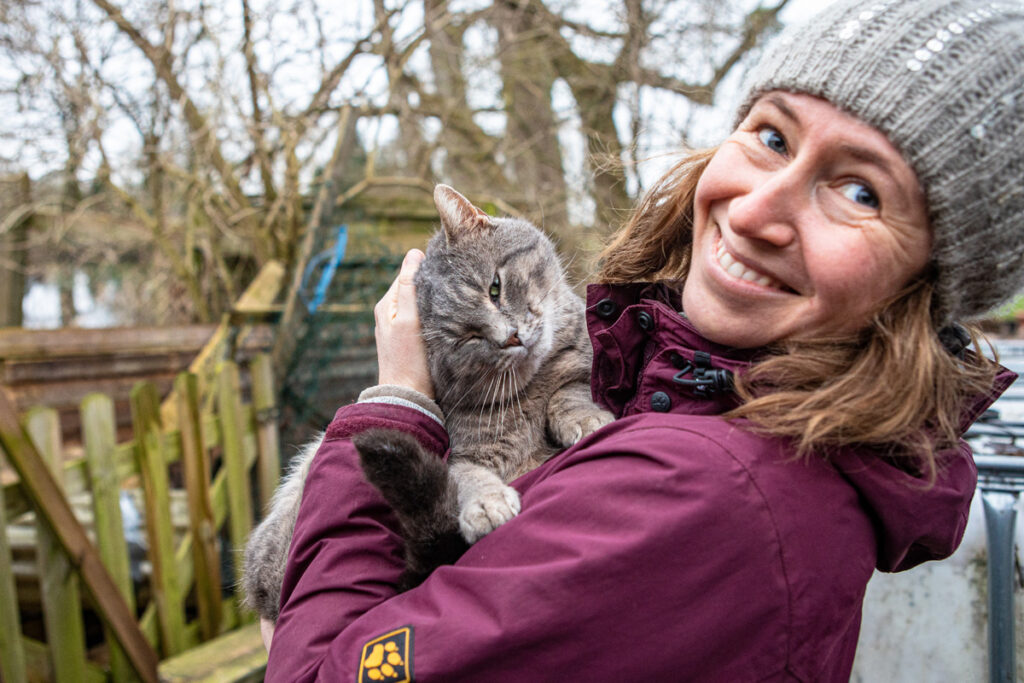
(228,134)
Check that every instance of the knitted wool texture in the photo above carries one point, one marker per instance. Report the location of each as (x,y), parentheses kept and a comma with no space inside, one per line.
(944,81)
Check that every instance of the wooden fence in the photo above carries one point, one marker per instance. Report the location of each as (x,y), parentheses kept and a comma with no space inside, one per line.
(214,450)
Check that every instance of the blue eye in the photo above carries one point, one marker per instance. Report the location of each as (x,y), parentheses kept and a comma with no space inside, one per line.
(861,194)
(773,140)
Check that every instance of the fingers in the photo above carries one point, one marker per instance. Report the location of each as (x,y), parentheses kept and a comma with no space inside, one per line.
(401,355)
(405,296)
(400,299)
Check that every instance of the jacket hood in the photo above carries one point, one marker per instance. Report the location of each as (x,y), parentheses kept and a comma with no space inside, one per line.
(914,520)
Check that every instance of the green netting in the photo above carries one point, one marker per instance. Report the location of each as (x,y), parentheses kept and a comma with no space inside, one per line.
(335,357)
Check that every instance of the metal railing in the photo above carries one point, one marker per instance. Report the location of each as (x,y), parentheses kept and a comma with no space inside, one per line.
(1000,459)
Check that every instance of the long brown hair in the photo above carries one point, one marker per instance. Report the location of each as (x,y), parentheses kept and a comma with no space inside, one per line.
(892,386)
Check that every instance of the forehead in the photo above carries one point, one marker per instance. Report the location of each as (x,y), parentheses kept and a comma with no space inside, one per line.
(838,135)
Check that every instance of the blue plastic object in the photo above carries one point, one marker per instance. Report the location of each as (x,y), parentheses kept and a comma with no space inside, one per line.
(332,257)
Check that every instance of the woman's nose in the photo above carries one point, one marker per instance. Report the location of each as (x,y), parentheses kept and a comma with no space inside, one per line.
(768,208)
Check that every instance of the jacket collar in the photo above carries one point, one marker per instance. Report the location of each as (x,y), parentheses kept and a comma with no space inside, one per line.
(638,329)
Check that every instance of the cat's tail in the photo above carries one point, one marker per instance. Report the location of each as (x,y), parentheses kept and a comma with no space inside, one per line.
(419,489)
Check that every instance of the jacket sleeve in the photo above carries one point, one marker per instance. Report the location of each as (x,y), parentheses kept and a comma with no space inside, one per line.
(616,566)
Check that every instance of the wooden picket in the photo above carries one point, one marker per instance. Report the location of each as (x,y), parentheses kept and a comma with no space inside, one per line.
(211,432)
(99,437)
(12,649)
(59,584)
(152,459)
(197,484)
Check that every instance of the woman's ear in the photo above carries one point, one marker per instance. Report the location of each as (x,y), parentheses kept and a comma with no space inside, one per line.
(458,215)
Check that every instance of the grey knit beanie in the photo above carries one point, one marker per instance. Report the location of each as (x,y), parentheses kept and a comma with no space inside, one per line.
(944,81)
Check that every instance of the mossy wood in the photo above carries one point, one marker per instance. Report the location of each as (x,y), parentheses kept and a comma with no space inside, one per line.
(264,406)
(168,597)
(100,439)
(238,657)
(242,434)
(201,524)
(12,650)
(54,510)
(234,425)
(58,582)
(203,416)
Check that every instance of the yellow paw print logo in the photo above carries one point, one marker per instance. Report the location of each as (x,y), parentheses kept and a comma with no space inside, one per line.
(386,658)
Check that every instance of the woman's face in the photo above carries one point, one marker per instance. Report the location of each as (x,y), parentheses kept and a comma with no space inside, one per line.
(805,221)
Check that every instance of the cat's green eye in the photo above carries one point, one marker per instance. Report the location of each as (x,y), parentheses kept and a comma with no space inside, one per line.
(495,290)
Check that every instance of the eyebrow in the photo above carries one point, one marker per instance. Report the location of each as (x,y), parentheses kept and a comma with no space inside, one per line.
(870,157)
(855,151)
(781,105)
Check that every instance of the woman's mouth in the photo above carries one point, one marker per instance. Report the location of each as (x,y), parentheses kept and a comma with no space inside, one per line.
(743,272)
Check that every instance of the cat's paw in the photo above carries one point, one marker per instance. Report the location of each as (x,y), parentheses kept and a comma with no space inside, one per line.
(486,511)
(568,431)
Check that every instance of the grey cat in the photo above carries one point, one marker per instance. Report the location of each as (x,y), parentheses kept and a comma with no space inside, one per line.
(509,357)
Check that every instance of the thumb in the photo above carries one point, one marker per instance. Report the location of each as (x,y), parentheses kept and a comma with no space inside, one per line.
(406,287)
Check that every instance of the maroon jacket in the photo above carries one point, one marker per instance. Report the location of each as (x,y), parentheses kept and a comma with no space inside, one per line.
(668,546)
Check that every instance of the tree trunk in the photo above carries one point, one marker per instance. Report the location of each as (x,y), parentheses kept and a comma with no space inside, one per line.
(15,209)
(532,130)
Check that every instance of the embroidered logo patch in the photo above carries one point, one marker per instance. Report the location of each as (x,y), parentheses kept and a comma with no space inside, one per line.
(387,658)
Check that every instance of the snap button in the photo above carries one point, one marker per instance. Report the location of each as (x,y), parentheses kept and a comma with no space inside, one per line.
(606,308)
(660,402)
(646,322)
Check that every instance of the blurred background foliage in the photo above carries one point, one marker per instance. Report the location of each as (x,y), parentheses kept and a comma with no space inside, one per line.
(156,153)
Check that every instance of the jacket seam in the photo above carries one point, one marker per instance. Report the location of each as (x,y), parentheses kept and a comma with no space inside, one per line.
(771,517)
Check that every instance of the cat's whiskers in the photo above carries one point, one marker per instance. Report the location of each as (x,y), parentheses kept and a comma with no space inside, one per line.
(515,379)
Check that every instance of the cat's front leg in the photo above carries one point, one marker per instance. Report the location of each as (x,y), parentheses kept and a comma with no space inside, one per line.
(485,501)
(572,414)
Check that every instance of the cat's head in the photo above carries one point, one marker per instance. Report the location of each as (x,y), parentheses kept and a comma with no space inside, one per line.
(489,295)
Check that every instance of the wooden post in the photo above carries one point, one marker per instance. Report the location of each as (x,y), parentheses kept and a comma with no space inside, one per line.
(45,494)
(12,651)
(264,403)
(229,406)
(100,436)
(200,513)
(170,603)
(61,600)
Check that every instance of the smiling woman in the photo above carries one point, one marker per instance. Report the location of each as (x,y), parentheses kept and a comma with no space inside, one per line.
(778,334)
(791,238)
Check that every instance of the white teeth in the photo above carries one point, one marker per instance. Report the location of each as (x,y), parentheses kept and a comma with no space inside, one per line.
(736,269)
(741,272)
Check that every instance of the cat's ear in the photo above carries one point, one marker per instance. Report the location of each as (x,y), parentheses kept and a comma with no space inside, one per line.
(458,215)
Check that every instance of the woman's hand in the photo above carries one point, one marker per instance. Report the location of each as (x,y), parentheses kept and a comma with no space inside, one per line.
(401,354)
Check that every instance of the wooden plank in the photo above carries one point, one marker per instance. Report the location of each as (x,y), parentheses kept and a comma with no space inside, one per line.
(169,598)
(233,427)
(140,366)
(46,496)
(236,657)
(99,436)
(12,652)
(62,604)
(197,483)
(264,288)
(126,461)
(21,343)
(38,665)
(264,404)
(261,291)
(71,393)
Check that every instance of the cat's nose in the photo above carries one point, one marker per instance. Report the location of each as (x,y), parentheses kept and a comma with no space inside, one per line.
(513,339)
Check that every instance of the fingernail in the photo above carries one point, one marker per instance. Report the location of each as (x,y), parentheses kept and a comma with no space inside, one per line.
(412,258)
